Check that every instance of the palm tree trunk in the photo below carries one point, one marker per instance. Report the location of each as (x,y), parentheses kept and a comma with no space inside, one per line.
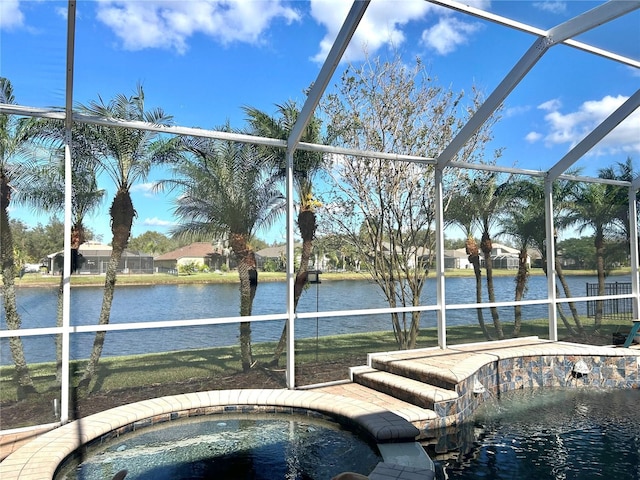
(307,225)
(77,239)
(471,248)
(22,376)
(122,214)
(248,284)
(486,246)
(567,294)
(105,313)
(248,275)
(599,244)
(521,285)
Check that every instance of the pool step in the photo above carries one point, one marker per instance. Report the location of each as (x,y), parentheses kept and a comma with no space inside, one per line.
(422,418)
(418,393)
(415,370)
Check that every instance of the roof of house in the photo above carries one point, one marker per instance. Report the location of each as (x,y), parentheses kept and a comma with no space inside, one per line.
(275,252)
(272,252)
(505,249)
(195,250)
(97,249)
(457,253)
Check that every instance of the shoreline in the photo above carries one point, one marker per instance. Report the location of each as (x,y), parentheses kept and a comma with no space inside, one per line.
(151,279)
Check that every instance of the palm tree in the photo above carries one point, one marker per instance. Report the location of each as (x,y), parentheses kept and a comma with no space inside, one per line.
(596,206)
(484,203)
(460,211)
(225,190)
(522,223)
(621,171)
(305,165)
(45,191)
(490,198)
(13,141)
(125,155)
(531,192)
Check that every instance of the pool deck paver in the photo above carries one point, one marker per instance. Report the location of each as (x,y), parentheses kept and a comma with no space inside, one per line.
(39,458)
(34,454)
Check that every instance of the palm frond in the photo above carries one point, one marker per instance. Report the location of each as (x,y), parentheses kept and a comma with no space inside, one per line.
(223,187)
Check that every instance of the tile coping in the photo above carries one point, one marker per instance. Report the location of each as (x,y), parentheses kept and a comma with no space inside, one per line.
(41,457)
(462,361)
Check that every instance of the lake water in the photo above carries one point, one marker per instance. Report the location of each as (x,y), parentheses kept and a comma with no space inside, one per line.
(37,307)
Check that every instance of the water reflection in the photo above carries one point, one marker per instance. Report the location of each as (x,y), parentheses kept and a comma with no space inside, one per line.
(547,433)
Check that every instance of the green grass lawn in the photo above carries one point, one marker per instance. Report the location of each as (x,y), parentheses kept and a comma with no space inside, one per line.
(135,371)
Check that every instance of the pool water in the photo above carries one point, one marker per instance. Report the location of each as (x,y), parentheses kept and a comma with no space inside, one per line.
(250,446)
(552,434)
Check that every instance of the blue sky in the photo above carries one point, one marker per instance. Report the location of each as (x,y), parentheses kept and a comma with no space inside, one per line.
(202,61)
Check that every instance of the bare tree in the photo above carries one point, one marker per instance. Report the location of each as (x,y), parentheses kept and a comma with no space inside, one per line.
(386,208)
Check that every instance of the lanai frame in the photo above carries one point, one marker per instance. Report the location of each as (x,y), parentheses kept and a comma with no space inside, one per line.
(543,42)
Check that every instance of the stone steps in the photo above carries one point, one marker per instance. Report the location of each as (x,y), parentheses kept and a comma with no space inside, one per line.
(418,393)
(398,383)
(416,369)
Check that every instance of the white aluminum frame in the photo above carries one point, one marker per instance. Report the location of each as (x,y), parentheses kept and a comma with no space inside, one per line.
(561,34)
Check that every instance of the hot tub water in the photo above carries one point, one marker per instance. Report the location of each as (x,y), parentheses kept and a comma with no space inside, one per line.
(250,446)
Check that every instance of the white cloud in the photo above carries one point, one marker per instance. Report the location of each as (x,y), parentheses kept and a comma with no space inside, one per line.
(448,34)
(384,24)
(170,24)
(156,222)
(516,111)
(570,128)
(551,6)
(62,12)
(533,137)
(550,105)
(10,14)
(145,188)
(381,24)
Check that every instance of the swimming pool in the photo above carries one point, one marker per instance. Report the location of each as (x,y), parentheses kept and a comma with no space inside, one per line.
(239,446)
(550,433)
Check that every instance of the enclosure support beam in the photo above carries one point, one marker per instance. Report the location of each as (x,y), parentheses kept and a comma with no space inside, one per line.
(493,102)
(575,26)
(317,90)
(66,273)
(291,360)
(440,280)
(551,259)
(523,27)
(328,68)
(633,245)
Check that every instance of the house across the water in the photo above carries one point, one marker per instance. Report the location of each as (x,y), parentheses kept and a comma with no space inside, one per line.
(93,258)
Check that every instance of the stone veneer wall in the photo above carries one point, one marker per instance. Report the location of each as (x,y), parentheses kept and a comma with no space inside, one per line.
(527,372)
